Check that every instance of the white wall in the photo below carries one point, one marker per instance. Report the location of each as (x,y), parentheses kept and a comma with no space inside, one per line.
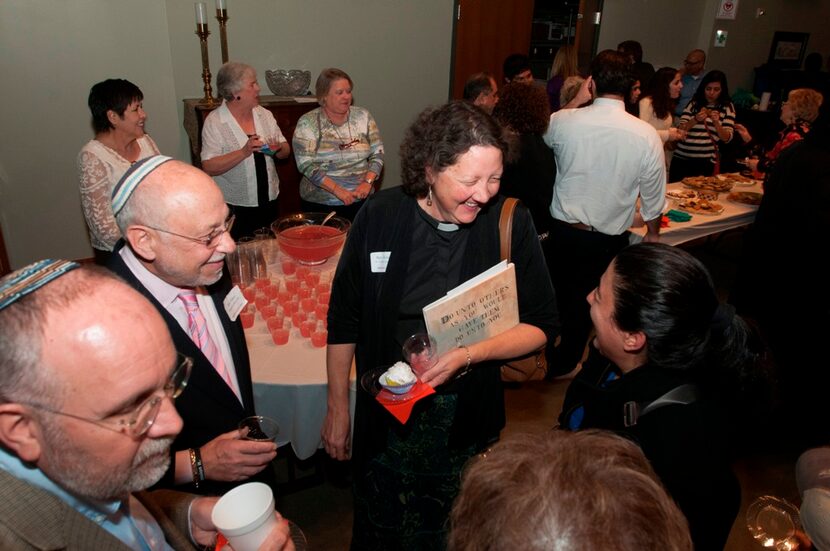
(51,55)
(397,53)
(669,30)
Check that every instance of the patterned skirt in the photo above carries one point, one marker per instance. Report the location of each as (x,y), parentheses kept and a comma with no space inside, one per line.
(404,495)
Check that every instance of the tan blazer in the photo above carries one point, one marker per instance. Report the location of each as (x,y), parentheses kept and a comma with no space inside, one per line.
(33,519)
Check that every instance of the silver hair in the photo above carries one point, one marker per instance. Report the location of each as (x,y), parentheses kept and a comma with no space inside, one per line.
(229,78)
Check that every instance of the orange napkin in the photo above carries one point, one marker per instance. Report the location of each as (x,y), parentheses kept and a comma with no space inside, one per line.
(403,409)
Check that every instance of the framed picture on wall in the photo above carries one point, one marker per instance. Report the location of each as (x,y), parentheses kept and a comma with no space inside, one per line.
(787,50)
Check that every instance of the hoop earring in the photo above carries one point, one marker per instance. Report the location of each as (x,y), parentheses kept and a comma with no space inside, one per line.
(429,197)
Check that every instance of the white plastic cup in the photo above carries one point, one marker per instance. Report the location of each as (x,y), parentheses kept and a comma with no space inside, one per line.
(245,515)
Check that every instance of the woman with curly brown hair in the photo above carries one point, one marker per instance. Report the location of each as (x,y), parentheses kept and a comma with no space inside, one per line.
(530,168)
(408,246)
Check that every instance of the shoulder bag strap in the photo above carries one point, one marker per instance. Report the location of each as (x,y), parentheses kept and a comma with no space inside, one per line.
(506,227)
(681,395)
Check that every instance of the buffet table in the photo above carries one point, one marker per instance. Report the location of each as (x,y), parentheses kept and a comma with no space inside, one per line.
(734,215)
(290,381)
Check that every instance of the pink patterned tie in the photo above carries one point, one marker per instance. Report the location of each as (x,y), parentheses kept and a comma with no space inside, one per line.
(197,326)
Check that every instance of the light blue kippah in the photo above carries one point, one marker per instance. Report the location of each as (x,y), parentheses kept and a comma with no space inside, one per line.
(31,278)
(130,180)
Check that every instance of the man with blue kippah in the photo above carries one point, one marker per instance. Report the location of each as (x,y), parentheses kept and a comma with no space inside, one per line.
(175,225)
(87,376)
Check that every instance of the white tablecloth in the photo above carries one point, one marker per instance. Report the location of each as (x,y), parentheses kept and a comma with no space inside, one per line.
(290,381)
(734,215)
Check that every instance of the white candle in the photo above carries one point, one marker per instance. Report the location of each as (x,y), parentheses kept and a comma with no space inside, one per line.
(220,5)
(201,13)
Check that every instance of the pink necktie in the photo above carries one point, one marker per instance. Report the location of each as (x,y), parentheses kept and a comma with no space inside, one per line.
(197,326)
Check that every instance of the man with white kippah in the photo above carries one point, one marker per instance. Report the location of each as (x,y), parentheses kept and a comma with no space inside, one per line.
(88,373)
(175,225)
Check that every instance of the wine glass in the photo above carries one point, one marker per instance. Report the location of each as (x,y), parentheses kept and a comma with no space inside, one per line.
(420,351)
(773,522)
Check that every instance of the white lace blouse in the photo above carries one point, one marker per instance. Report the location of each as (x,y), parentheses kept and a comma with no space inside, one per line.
(99,169)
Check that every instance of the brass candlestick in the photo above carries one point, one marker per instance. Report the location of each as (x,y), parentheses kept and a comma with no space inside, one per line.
(202,32)
(222,17)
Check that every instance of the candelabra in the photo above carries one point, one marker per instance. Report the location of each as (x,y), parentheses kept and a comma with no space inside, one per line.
(222,17)
(202,32)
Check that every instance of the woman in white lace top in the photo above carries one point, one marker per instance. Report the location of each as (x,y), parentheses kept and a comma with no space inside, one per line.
(118,119)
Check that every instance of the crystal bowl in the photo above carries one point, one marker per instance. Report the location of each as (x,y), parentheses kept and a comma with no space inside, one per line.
(291,82)
(301,236)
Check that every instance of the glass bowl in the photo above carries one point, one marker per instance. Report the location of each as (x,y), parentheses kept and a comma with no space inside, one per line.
(301,236)
(291,82)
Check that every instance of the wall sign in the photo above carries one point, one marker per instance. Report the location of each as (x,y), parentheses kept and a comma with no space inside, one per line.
(727,9)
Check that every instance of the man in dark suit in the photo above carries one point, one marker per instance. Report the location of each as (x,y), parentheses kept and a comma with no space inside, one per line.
(175,223)
(87,376)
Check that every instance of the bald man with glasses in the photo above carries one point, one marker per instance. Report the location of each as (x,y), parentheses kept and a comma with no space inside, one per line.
(88,375)
(694,68)
(176,227)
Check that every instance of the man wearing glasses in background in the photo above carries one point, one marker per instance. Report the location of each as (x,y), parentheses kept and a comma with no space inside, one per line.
(87,377)
(175,226)
(694,67)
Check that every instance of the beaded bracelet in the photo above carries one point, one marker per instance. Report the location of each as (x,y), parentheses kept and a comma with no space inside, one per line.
(197,467)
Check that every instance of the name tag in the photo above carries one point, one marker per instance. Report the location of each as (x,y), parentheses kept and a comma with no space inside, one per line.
(378,261)
(234,303)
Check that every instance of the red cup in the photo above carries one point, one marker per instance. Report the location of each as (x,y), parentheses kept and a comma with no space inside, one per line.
(318,338)
(261,301)
(308,304)
(249,293)
(279,336)
(312,279)
(291,307)
(306,327)
(261,283)
(322,311)
(283,297)
(302,272)
(291,285)
(247,319)
(304,292)
(297,318)
(323,298)
(276,322)
(288,266)
(271,292)
(268,311)
(323,288)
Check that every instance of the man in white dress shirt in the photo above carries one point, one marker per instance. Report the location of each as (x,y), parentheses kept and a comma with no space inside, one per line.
(605,160)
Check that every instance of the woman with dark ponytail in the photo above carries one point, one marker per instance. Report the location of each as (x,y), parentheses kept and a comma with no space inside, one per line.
(666,357)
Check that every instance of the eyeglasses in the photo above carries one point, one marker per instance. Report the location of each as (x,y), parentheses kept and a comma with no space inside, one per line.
(349,145)
(211,240)
(139,422)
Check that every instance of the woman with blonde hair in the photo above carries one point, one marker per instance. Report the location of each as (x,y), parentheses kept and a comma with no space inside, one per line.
(799,113)
(564,66)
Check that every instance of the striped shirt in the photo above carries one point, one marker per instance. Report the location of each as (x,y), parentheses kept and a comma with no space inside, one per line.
(698,143)
(343,153)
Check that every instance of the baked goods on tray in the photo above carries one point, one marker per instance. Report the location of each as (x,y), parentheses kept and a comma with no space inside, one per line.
(738,179)
(681,194)
(708,183)
(745,197)
(700,206)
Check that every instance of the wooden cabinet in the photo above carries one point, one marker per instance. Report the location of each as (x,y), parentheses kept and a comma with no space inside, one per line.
(287,112)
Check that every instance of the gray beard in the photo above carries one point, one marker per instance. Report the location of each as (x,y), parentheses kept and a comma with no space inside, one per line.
(73,470)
